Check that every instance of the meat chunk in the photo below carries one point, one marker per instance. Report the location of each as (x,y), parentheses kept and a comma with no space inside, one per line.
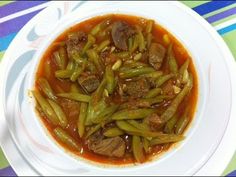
(90,83)
(75,42)
(137,89)
(154,121)
(156,55)
(112,147)
(121,31)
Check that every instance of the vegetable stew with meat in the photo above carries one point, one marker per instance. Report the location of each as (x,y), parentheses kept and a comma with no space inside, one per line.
(116,89)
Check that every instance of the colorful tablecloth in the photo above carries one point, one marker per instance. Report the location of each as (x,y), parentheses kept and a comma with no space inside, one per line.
(15,14)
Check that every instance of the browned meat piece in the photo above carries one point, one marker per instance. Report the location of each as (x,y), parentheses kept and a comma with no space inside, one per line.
(121,31)
(154,121)
(168,88)
(75,41)
(71,108)
(156,55)
(90,83)
(112,147)
(136,89)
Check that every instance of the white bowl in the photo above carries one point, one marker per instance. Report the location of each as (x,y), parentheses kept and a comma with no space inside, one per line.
(210,120)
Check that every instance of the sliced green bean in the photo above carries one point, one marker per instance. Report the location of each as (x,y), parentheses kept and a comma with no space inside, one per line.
(153,92)
(138,56)
(132,114)
(123,54)
(82,119)
(75,96)
(63,74)
(99,27)
(77,71)
(46,108)
(65,138)
(146,144)
(162,79)
(130,43)
(98,93)
(110,78)
(112,132)
(170,111)
(89,43)
(141,41)
(169,127)
(105,114)
(183,71)
(76,56)
(117,65)
(58,59)
(167,138)
(154,75)
(63,56)
(184,67)
(70,65)
(136,72)
(173,66)
(135,43)
(149,26)
(140,126)
(46,88)
(138,149)
(182,123)
(149,39)
(59,112)
(93,56)
(92,130)
(103,45)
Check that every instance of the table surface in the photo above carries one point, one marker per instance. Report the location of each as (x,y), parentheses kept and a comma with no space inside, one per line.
(14,15)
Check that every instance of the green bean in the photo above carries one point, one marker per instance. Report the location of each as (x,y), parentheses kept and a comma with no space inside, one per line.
(133,64)
(130,43)
(94,109)
(112,132)
(59,112)
(65,138)
(46,88)
(70,65)
(169,127)
(140,126)
(92,130)
(132,114)
(167,138)
(161,80)
(77,71)
(182,123)
(91,67)
(138,149)
(63,74)
(136,72)
(46,108)
(173,66)
(157,99)
(116,65)
(183,71)
(102,45)
(59,60)
(63,55)
(47,67)
(135,44)
(123,54)
(131,130)
(105,114)
(184,67)
(170,111)
(98,93)
(146,144)
(138,56)
(110,78)
(153,92)
(141,41)
(149,26)
(149,39)
(77,57)
(89,43)
(93,56)
(82,117)
(154,75)
(99,27)
(75,96)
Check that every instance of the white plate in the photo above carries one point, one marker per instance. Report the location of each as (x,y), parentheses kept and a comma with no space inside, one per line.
(30,151)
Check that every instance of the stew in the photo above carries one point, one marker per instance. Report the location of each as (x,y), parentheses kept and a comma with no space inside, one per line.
(116,89)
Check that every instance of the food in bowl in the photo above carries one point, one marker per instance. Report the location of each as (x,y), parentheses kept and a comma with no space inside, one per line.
(116,89)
